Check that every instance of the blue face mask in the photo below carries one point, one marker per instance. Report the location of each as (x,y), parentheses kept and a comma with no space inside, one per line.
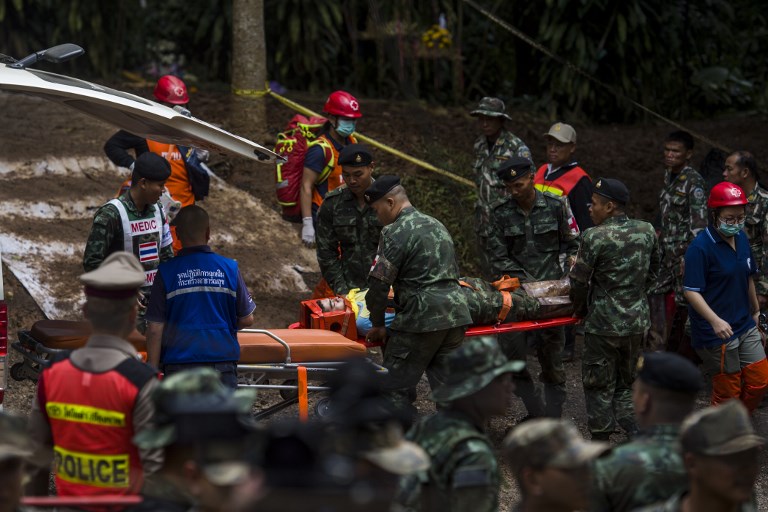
(345,128)
(730,230)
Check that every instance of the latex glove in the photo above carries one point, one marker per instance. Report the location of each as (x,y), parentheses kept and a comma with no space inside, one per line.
(308,232)
(170,205)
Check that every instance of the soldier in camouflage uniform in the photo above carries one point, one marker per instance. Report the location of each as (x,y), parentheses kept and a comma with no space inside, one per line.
(495,145)
(741,169)
(135,223)
(551,463)
(416,258)
(347,228)
(650,468)
(617,264)
(721,453)
(683,213)
(205,431)
(16,459)
(529,230)
(465,473)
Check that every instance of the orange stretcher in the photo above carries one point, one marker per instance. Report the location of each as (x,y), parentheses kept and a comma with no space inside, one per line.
(298,357)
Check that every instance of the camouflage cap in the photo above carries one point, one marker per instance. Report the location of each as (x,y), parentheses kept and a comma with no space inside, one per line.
(562,132)
(119,276)
(719,430)
(15,442)
(194,405)
(491,107)
(473,366)
(388,449)
(550,442)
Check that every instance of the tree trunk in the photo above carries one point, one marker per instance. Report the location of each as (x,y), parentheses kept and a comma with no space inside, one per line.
(249,69)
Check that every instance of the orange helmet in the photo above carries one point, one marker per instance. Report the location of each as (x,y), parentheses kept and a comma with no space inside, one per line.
(341,103)
(726,194)
(171,89)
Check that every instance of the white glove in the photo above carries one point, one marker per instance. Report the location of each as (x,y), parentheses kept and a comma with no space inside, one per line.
(308,232)
(170,206)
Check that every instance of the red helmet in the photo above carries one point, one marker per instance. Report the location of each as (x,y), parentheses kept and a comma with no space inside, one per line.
(726,194)
(171,89)
(341,103)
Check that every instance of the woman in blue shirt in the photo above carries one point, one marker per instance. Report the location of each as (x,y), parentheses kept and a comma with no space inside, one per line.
(722,303)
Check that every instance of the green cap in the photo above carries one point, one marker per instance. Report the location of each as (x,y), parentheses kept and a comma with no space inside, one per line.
(491,107)
(473,366)
(550,442)
(15,442)
(719,430)
(194,405)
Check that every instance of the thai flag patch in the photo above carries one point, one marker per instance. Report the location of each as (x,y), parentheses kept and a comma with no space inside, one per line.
(148,252)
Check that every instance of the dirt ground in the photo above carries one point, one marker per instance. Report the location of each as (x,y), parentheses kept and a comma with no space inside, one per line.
(35,129)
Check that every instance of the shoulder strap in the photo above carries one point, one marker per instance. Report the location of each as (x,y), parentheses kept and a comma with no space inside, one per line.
(127,240)
(136,372)
(327,146)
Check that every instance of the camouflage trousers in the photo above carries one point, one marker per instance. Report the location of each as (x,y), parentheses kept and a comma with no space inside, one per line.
(549,345)
(407,355)
(609,367)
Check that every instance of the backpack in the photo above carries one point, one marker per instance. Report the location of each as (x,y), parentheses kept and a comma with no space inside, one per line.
(292,145)
(197,172)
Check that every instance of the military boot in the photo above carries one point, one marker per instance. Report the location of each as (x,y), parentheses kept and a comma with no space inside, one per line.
(555,398)
(530,394)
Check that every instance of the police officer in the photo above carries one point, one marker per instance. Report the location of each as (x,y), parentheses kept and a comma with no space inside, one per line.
(92,401)
(134,222)
(347,228)
(650,468)
(494,145)
(207,436)
(683,213)
(528,231)
(721,454)
(416,258)
(551,463)
(741,169)
(465,473)
(617,264)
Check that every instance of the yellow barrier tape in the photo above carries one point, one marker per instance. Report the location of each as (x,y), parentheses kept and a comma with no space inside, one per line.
(256,93)
(421,163)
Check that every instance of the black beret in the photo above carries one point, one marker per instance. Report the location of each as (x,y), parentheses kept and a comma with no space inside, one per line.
(381,187)
(355,155)
(152,167)
(514,168)
(612,189)
(670,371)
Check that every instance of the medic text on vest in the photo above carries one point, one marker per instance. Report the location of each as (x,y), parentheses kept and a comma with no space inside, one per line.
(143,226)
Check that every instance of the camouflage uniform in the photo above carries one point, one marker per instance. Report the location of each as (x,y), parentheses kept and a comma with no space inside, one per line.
(347,237)
(639,473)
(756,228)
(416,257)
(528,246)
(464,474)
(490,189)
(617,264)
(683,204)
(675,504)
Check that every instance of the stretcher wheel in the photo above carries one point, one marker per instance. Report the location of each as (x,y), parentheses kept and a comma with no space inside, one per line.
(289,394)
(323,407)
(19,372)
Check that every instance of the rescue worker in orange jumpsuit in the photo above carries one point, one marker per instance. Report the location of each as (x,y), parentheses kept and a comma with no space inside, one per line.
(92,401)
(170,91)
(322,172)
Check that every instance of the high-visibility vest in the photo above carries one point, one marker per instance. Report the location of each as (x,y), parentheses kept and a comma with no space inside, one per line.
(91,421)
(178,182)
(562,185)
(143,237)
(331,173)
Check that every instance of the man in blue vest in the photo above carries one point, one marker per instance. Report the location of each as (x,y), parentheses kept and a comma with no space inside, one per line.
(199,302)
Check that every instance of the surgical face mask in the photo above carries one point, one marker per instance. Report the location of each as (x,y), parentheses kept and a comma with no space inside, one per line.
(345,127)
(730,229)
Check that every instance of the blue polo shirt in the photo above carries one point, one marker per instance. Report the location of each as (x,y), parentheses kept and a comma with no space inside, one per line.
(721,275)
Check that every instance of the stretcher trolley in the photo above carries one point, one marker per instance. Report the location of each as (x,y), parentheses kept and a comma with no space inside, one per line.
(301,360)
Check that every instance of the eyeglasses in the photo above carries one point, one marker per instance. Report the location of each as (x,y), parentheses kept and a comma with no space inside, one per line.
(732,221)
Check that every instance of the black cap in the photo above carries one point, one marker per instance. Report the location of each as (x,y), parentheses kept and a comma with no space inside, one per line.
(381,187)
(612,189)
(355,155)
(152,167)
(670,371)
(514,168)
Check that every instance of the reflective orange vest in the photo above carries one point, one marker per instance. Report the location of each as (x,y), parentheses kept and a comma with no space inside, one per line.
(178,183)
(561,186)
(91,420)
(332,170)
